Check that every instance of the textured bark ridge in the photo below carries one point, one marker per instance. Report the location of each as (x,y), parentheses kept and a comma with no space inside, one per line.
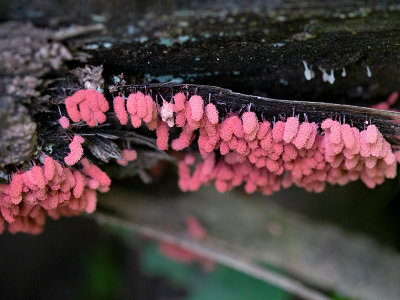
(17,132)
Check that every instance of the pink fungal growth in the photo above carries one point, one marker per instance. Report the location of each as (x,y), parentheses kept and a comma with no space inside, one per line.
(167,113)
(87,105)
(372,134)
(131,104)
(303,135)
(142,108)
(120,111)
(250,122)
(212,113)
(141,105)
(277,131)
(64,122)
(36,177)
(179,102)
(149,109)
(162,136)
(264,157)
(96,173)
(127,156)
(45,190)
(76,151)
(259,155)
(291,127)
(197,107)
(15,188)
(348,137)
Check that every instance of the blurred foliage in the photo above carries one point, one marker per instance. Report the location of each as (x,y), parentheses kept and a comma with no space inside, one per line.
(222,283)
(102,274)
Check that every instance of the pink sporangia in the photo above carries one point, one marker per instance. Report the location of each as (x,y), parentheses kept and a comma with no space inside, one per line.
(36,176)
(152,119)
(184,175)
(347,135)
(197,107)
(304,133)
(127,156)
(48,189)
(76,150)
(190,122)
(64,122)
(190,159)
(79,184)
(87,105)
(236,149)
(120,110)
(372,133)
(293,149)
(335,133)
(150,106)
(179,102)
(225,129)
(86,114)
(291,128)
(49,168)
(167,113)
(136,121)
(162,136)
(184,139)
(278,131)
(71,104)
(327,123)
(91,201)
(250,122)
(212,113)
(180,119)
(131,104)
(95,172)
(231,126)
(142,108)
(237,126)
(264,129)
(16,185)
(141,105)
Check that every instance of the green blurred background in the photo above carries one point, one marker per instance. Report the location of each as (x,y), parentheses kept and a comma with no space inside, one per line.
(78,259)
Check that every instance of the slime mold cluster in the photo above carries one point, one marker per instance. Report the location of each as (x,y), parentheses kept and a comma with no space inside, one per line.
(228,149)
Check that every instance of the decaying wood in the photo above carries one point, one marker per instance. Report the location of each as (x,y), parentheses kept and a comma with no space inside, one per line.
(17,132)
